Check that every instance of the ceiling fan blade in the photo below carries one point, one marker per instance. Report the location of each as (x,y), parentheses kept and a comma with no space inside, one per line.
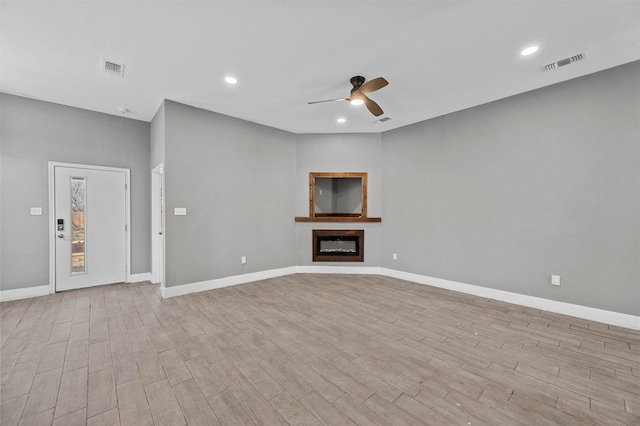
(373,85)
(328,100)
(373,107)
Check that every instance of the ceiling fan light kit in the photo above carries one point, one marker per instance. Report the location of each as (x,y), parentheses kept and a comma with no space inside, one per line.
(358,96)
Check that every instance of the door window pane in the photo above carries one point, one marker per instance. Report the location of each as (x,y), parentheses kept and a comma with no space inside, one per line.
(78,202)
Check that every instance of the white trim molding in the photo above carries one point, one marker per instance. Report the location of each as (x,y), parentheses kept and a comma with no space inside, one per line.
(263,275)
(313,269)
(24,293)
(181,290)
(579,311)
(584,312)
(136,278)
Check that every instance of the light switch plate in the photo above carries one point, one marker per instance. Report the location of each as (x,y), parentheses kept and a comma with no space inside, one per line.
(180,211)
(555,279)
(36,211)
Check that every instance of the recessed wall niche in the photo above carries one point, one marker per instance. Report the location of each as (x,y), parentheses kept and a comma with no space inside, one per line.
(338,197)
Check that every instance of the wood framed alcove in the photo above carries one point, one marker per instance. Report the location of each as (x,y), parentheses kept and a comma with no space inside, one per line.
(337,184)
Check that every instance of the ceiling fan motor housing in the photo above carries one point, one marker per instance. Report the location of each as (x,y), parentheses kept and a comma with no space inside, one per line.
(356,81)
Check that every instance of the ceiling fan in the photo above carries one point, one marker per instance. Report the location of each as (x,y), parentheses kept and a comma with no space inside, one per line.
(358,93)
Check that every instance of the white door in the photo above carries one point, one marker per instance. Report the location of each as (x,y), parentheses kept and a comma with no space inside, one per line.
(90,220)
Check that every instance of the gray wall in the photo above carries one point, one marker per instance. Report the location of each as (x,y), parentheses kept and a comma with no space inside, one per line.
(502,195)
(32,133)
(508,193)
(325,201)
(339,153)
(235,179)
(348,193)
(157,138)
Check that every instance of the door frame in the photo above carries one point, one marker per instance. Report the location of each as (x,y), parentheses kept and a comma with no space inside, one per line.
(52,217)
(158,225)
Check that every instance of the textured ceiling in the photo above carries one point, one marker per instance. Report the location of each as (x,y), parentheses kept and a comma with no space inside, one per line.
(438,56)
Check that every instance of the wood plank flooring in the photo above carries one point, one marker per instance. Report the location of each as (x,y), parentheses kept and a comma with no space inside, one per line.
(308,350)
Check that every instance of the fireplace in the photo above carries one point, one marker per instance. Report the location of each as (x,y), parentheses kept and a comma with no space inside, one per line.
(338,245)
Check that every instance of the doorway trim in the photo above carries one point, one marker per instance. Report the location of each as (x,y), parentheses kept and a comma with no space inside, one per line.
(52,215)
(158,227)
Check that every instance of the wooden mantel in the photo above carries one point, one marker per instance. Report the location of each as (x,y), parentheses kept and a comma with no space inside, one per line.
(337,219)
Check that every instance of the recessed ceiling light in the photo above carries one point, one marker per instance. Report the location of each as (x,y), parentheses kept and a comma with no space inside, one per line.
(357,102)
(341,120)
(231,80)
(529,50)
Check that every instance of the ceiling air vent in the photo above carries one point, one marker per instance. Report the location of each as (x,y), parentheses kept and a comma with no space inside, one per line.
(383,119)
(111,67)
(565,61)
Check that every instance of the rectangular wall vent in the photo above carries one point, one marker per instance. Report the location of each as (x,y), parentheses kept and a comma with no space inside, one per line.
(565,61)
(111,67)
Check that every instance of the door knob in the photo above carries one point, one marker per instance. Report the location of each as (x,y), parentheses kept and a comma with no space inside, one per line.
(60,235)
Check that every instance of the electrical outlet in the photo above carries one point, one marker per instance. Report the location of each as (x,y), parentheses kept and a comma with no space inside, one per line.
(555,279)
(243,260)
(36,211)
(394,256)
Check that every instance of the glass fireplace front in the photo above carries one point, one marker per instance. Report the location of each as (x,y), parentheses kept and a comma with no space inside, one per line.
(338,245)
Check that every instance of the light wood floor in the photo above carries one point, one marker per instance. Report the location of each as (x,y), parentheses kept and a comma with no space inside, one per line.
(309,349)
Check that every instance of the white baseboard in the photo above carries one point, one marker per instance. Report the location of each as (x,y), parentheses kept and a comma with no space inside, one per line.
(24,293)
(584,312)
(226,281)
(313,269)
(263,275)
(136,278)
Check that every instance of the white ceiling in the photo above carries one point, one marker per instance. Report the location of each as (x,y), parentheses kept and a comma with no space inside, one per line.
(438,56)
